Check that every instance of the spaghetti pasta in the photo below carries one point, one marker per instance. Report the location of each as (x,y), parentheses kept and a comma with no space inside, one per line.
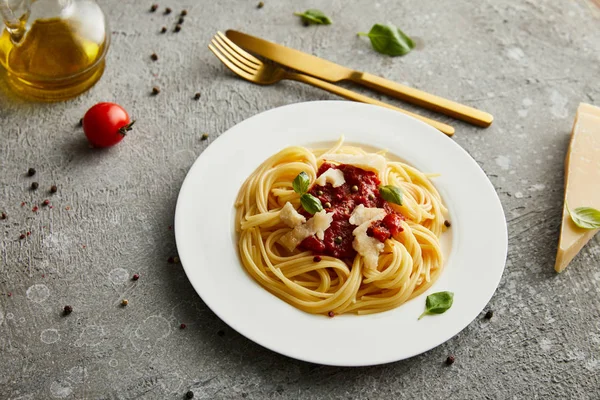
(408,261)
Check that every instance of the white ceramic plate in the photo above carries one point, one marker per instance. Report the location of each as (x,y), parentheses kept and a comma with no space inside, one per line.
(475,245)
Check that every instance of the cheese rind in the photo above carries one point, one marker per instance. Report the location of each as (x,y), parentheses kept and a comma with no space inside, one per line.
(582,182)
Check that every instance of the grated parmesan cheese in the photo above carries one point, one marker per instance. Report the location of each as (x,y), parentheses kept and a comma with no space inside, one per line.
(333,176)
(362,214)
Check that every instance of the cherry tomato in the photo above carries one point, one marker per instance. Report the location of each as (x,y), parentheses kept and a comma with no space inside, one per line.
(106,124)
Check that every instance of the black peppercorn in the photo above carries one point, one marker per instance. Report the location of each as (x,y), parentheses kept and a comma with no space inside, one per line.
(31,172)
(154,7)
(181,20)
(177,28)
(489,314)
(260,4)
(204,136)
(447,224)
(67,310)
(34,185)
(168,10)
(338,240)
(317,258)
(450,360)
(154,57)
(197,96)
(163,29)
(189,394)
(3,216)
(155,90)
(183,13)
(53,189)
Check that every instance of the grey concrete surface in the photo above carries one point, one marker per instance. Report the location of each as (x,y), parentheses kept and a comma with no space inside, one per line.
(529,62)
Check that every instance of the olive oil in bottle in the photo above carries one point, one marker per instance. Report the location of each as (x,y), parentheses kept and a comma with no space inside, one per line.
(56,58)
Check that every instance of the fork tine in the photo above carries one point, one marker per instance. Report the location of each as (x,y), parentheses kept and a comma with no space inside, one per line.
(232,59)
(231,50)
(234,68)
(239,50)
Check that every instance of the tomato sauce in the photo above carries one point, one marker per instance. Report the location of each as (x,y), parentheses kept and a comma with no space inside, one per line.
(361,187)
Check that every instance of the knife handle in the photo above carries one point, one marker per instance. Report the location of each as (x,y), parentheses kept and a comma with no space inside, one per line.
(350,95)
(423,99)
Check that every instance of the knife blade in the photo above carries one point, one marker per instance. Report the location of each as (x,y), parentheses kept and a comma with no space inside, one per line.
(333,72)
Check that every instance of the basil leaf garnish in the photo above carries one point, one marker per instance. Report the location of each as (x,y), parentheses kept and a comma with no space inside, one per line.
(314,17)
(301,182)
(391,193)
(438,303)
(388,39)
(585,217)
(310,203)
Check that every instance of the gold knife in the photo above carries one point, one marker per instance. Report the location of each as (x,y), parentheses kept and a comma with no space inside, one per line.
(332,72)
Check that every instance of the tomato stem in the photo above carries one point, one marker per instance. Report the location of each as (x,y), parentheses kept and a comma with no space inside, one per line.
(123,130)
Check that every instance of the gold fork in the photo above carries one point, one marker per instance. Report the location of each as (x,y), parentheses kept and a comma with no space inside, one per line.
(254,70)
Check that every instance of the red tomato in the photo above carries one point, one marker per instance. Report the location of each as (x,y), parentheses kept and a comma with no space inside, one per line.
(106,124)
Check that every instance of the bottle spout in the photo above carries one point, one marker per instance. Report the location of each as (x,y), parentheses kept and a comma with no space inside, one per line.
(15,14)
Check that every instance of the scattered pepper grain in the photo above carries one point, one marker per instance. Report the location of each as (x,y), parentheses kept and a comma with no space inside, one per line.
(260,4)
(46,202)
(34,185)
(124,302)
(489,314)
(204,136)
(163,29)
(154,7)
(177,28)
(331,314)
(317,258)
(155,90)
(183,13)
(31,172)
(450,360)
(22,236)
(182,326)
(53,189)
(168,11)
(197,96)
(3,216)
(67,310)
(189,394)
(154,57)
(181,20)
(447,224)
(135,277)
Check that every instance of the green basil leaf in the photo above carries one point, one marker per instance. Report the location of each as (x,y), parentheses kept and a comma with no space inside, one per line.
(438,303)
(391,193)
(314,17)
(388,39)
(585,217)
(310,203)
(301,182)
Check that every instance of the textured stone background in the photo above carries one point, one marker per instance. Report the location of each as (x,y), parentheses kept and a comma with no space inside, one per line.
(529,62)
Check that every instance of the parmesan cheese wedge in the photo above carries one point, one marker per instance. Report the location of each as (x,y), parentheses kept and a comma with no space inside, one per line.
(582,182)
(368,162)
(333,176)
(317,225)
(369,248)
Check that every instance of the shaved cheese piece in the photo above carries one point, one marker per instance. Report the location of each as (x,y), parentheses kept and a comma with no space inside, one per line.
(362,214)
(320,223)
(290,216)
(333,176)
(317,225)
(368,247)
(368,162)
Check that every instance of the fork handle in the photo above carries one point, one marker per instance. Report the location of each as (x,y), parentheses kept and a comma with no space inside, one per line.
(350,95)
